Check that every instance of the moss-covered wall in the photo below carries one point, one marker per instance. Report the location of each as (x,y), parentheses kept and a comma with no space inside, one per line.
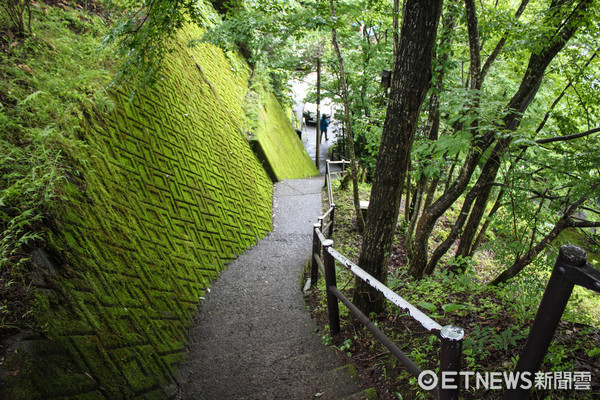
(169,192)
(282,147)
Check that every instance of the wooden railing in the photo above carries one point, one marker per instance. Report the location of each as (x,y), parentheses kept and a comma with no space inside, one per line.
(324,259)
(571,269)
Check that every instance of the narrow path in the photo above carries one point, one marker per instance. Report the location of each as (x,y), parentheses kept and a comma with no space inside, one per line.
(254,338)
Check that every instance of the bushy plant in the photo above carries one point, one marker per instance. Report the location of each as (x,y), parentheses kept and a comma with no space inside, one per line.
(49,82)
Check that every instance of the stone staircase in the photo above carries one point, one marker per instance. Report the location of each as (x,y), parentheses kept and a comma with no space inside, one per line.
(254,338)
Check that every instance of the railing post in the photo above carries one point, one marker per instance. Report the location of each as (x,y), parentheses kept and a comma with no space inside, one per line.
(332,219)
(327,169)
(330,280)
(321,225)
(450,359)
(316,252)
(548,316)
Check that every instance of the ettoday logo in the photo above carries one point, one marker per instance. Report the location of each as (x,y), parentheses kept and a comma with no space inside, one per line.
(428,380)
(560,380)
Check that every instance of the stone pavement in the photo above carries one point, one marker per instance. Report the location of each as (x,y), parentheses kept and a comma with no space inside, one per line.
(254,337)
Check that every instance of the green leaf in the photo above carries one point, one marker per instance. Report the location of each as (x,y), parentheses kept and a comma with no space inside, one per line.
(451,307)
(31,97)
(428,306)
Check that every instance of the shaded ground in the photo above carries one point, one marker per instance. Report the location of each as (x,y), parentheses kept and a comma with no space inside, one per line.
(254,337)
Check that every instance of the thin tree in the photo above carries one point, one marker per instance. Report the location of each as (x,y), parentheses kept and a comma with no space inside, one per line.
(410,81)
(348,125)
(565,221)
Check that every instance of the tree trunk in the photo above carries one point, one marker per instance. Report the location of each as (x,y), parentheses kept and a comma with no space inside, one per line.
(432,128)
(418,200)
(350,137)
(407,204)
(486,224)
(431,214)
(484,189)
(410,82)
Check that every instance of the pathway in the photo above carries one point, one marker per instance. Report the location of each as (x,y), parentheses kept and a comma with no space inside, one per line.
(254,337)
(309,132)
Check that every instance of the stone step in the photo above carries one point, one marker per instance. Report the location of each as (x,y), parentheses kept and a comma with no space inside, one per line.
(335,384)
(367,394)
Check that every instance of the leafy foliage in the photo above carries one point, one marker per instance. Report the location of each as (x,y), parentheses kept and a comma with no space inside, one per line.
(48,82)
(143,33)
(496,320)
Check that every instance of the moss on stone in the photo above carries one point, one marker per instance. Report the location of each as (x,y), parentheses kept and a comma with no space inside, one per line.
(371,394)
(168,193)
(280,143)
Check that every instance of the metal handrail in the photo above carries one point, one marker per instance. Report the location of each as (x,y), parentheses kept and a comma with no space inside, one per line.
(389,294)
(451,336)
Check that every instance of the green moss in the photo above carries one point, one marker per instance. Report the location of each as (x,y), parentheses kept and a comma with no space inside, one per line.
(351,371)
(168,191)
(280,143)
(163,192)
(371,394)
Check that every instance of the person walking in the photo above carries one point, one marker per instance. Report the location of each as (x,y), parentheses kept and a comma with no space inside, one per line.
(323,125)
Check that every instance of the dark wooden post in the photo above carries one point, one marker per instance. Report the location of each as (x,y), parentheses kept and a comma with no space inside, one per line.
(330,280)
(327,183)
(548,316)
(450,358)
(332,219)
(316,252)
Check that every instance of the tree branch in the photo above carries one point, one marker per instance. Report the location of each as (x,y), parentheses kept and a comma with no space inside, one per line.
(501,43)
(568,137)
(564,91)
(564,222)
(474,46)
(585,224)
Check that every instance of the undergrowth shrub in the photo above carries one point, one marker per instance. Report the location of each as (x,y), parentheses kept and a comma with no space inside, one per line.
(49,81)
(496,319)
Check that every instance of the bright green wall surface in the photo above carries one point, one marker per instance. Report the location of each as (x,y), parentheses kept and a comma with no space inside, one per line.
(171,192)
(281,144)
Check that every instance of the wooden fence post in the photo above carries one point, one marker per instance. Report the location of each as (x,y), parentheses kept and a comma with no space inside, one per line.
(330,280)
(332,219)
(316,252)
(450,358)
(554,301)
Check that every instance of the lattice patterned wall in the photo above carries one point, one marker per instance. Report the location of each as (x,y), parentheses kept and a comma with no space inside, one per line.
(171,192)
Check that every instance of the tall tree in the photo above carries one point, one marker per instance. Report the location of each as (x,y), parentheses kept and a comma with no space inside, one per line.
(347,120)
(410,82)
